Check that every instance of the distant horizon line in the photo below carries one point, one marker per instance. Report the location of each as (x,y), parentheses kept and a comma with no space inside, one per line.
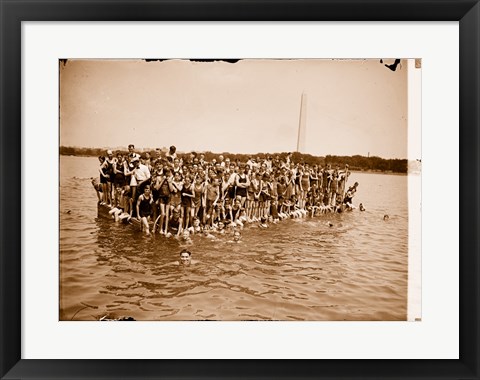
(166,149)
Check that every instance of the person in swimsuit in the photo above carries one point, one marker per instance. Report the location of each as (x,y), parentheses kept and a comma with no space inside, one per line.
(212,197)
(162,187)
(129,172)
(236,208)
(274,211)
(314,176)
(110,162)
(290,183)
(253,194)
(185,257)
(98,188)
(198,191)
(342,180)
(157,174)
(103,179)
(119,178)
(327,173)
(236,237)
(177,168)
(144,208)
(304,186)
(281,191)
(333,186)
(188,193)
(185,239)
(175,204)
(220,227)
(349,195)
(195,228)
(263,196)
(242,182)
(174,224)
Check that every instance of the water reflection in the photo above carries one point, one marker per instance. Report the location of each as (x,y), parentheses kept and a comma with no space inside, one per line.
(300,269)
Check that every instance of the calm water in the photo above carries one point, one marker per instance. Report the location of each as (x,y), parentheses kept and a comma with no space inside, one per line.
(299,269)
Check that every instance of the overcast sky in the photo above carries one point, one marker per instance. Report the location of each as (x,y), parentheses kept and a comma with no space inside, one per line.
(353,106)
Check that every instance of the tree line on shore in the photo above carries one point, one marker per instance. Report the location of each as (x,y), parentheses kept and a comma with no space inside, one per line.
(357,162)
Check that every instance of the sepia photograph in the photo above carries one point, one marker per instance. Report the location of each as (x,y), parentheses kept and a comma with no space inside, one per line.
(239,189)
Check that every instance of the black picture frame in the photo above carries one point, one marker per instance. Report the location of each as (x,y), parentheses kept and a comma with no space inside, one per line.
(13,12)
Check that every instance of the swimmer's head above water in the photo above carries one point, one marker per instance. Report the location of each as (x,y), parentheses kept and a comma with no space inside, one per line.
(237,236)
(186,235)
(185,257)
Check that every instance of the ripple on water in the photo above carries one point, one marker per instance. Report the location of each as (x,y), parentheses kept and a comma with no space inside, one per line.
(299,269)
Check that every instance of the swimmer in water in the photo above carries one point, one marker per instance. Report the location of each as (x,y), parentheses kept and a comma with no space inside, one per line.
(220,227)
(185,258)
(208,235)
(186,237)
(196,228)
(236,237)
(361,207)
(386,217)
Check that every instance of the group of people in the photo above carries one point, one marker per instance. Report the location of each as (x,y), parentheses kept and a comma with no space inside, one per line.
(189,193)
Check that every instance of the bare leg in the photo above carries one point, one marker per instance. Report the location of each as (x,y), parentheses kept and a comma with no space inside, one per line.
(104,188)
(180,229)
(162,217)
(167,217)
(145,225)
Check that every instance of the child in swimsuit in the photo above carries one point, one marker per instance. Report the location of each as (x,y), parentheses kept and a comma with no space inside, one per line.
(187,197)
(103,179)
(98,188)
(163,189)
(144,208)
(186,238)
(195,228)
(253,192)
(213,196)
(175,185)
(174,223)
(198,190)
(236,237)
(242,183)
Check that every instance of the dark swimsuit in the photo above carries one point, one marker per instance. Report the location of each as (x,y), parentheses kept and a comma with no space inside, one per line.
(119,179)
(164,193)
(145,207)
(198,195)
(242,191)
(187,201)
(109,170)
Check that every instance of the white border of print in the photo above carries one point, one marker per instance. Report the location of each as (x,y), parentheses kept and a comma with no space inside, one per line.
(44,337)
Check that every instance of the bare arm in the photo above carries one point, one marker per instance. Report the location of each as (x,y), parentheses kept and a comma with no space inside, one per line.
(138,206)
(218,196)
(126,171)
(171,186)
(100,169)
(115,170)
(189,195)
